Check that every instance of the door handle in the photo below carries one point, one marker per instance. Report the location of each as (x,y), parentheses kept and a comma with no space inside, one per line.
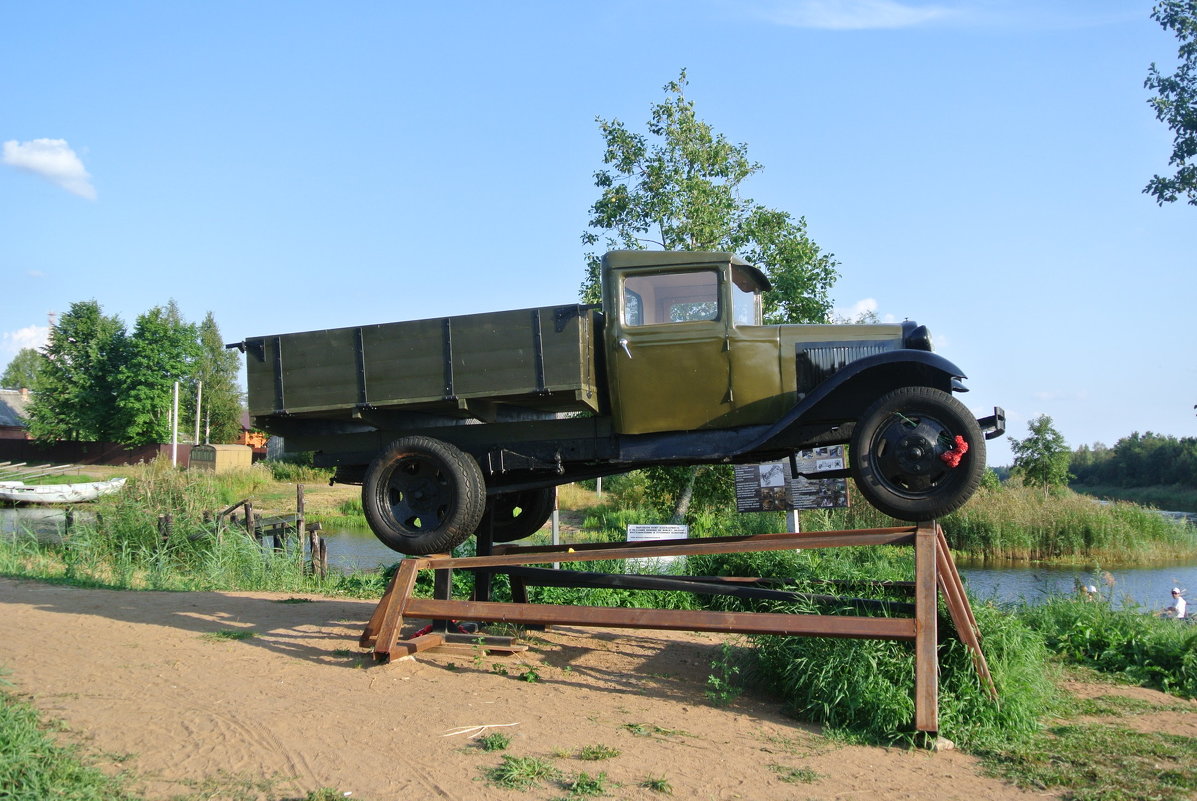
(623,343)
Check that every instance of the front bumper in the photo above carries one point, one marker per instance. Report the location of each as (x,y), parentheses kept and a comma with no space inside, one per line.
(994,425)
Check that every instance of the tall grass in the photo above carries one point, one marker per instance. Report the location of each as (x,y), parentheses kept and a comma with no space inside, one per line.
(864,689)
(1025,523)
(121,545)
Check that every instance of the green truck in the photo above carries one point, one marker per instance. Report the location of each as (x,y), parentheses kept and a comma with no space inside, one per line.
(463,424)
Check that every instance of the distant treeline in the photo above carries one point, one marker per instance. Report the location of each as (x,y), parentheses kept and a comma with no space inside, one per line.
(1140,460)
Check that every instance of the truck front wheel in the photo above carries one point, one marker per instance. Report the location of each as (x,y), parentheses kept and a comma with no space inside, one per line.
(422,495)
(515,515)
(907,459)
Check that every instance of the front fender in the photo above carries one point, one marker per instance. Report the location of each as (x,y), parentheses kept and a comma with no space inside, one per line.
(844,396)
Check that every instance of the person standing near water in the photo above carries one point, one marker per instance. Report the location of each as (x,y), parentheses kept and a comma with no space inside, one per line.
(1177,610)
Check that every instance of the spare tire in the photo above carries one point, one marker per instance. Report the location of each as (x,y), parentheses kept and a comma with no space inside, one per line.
(422,496)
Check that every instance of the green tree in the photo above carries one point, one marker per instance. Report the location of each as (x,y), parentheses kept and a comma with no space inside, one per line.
(161,351)
(1042,458)
(678,187)
(1175,102)
(22,370)
(216,369)
(74,392)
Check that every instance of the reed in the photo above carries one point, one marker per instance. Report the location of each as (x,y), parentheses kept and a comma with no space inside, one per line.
(1023,523)
(122,546)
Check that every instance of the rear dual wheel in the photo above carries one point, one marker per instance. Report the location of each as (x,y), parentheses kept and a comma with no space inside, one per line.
(422,496)
(515,515)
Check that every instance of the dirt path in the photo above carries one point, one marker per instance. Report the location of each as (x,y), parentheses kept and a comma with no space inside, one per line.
(134,677)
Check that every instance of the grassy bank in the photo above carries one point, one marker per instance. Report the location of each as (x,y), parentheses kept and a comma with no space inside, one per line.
(119,543)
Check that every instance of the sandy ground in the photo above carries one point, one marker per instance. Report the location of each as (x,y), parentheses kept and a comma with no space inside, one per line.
(298,705)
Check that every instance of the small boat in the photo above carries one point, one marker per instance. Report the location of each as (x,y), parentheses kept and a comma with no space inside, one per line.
(20,492)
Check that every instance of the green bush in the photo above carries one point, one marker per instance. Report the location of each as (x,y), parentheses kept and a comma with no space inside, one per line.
(297,469)
(1154,652)
(864,689)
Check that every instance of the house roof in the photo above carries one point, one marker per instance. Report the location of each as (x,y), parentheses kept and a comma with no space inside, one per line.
(12,408)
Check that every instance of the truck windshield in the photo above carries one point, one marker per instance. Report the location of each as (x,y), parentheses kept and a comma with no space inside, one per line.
(679,297)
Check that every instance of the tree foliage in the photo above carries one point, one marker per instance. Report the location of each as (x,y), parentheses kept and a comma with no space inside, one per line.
(74,394)
(1042,458)
(161,351)
(678,187)
(1140,460)
(220,397)
(1175,103)
(22,370)
(99,383)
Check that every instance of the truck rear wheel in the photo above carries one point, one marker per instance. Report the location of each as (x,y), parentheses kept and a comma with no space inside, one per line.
(906,460)
(516,515)
(422,495)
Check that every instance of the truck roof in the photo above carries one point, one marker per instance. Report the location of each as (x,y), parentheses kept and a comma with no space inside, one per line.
(618,259)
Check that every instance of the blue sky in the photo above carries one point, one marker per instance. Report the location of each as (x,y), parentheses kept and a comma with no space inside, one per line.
(975,165)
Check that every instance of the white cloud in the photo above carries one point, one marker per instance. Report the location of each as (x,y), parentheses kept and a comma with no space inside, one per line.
(854,15)
(864,309)
(867,306)
(53,160)
(33,336)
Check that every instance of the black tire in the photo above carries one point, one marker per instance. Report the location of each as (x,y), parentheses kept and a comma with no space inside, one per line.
(896,454)
(422,495)
(516,515)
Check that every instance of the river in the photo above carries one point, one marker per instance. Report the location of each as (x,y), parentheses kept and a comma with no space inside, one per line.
(1144,587)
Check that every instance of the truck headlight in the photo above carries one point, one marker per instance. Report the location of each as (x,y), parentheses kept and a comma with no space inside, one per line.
(919,339)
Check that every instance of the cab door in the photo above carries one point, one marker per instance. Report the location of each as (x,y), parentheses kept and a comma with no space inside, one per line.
(668,350)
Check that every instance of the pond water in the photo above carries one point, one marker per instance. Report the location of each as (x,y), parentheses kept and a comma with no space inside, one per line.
(1145,587)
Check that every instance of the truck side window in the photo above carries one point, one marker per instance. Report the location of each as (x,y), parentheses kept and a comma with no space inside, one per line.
(746,299)
(679,297)
(633,307)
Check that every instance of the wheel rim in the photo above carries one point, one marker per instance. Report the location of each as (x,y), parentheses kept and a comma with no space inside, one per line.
(905,453)
(418,494)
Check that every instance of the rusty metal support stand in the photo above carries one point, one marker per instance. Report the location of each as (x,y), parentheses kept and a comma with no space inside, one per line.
(935,574)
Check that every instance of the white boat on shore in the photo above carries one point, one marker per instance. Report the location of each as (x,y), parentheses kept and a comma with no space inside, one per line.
(20,492)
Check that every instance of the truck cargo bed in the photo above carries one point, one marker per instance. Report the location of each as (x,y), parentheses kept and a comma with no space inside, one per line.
(542,359)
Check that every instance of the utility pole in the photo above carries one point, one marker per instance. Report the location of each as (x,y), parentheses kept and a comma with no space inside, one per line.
(199,396)
(174,428)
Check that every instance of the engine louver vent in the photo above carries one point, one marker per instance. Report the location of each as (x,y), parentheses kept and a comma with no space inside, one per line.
(818,363)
